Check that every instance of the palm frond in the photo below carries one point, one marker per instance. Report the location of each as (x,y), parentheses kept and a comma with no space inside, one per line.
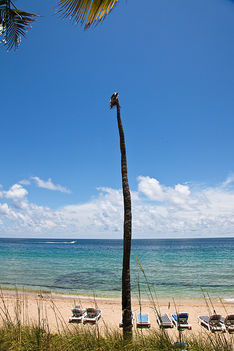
(13,24)
(86,11)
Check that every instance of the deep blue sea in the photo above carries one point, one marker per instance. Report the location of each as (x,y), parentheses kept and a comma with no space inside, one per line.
(176,267)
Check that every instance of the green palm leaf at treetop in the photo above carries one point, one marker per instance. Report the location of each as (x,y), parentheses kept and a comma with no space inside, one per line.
(15,23)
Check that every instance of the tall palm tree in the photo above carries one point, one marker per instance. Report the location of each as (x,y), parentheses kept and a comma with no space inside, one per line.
(14,23)
(126,284)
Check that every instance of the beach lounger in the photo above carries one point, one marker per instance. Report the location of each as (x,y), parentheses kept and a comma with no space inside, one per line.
(164,321)
(180,320)
(121,322)
(212,323)
(228,322)
(143,320)
(92,315)
(77,315)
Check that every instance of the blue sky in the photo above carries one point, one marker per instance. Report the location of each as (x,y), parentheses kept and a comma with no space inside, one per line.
(172,64)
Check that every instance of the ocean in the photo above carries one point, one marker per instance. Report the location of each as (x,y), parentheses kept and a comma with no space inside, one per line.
(173,267)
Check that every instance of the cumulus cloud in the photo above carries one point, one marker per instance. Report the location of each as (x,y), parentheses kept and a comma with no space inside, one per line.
(154,191)
(151,188)
(47,184)
(158,211)
(16,192)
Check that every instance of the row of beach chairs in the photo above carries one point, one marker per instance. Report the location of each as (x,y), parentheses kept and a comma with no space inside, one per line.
(180,321)
(214,323)
(89,315)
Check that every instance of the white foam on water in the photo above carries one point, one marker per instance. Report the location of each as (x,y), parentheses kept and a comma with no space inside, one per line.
(60,242)
(229,300)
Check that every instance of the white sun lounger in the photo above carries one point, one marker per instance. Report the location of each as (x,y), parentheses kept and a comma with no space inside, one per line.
(121,322)
(180,320)
(164,321)
(228,322)
(77,315)
(92,315)
(212,323)
(143,320)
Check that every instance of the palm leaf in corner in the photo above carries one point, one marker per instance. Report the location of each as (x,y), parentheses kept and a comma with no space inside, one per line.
(86,11)
(13,24)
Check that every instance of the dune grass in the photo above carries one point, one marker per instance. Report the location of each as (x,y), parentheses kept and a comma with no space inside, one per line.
(34,338)
(18,333)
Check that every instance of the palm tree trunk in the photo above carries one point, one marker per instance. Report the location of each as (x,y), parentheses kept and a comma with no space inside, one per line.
(126,284)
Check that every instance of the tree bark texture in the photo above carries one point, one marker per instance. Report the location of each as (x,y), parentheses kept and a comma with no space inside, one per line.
(126,283)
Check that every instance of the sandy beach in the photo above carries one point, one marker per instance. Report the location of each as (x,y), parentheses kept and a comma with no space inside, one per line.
(55,310)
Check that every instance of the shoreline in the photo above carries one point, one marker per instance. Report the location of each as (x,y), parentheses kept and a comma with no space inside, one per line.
(54,294)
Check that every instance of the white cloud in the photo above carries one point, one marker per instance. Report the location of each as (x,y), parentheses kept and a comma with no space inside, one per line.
(158,210)
(16,192)
(4,209)
(154,191)
(151,188)
(229,180)
(24,182)
(49,185)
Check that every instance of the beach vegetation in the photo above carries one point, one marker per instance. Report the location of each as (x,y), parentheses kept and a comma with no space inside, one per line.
(34,338)
(127,235)
(19,333)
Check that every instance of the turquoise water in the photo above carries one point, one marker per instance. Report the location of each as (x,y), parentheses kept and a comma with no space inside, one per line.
(173,267)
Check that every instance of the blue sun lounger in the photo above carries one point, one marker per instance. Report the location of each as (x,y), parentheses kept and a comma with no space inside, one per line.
(143,320)
(180,320)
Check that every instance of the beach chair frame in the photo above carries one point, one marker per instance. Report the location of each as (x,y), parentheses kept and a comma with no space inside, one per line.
(228,322)
(77,315)
(180,321)
(141,323)
(164,321)
(92,316)
(212,323)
